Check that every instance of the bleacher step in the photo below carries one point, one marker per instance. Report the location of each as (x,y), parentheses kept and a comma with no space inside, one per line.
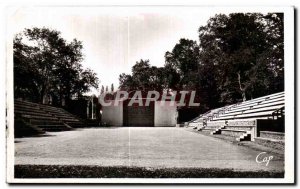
(45,117)
(244,137)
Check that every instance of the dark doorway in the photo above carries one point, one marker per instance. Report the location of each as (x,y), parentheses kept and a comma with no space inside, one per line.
(138,116)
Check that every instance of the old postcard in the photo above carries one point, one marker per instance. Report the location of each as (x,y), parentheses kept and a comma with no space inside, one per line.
(150,94)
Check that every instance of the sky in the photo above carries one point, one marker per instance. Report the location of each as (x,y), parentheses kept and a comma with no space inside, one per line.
(114,38)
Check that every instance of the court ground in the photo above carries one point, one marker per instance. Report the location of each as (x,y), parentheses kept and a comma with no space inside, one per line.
(148,147)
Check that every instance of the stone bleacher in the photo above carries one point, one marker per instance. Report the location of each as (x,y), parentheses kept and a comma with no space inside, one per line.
(38,118)
(245,120)
(63,116)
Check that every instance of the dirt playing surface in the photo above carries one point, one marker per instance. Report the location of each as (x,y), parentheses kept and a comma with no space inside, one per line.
(155,147)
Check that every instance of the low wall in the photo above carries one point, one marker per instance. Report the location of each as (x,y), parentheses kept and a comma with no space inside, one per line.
(165,115)
(270,125)
(272,135)
(113,115)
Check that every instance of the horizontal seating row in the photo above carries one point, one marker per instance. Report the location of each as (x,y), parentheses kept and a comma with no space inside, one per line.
(38,117)
(25,106)
(54,128)
(260,105)
(240,120)
(258,115)
(16,101)
(233,133)
(243,106)
(45,122)
(29,110)
(239,129)
(262,99)
(30,113)
(264,110)
(45,117)
(64,116)
(254,110)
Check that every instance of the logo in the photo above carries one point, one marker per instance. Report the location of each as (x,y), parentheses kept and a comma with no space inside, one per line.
(137,98)
(263,158)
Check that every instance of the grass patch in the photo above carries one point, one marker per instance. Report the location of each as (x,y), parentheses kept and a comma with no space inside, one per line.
(72,171)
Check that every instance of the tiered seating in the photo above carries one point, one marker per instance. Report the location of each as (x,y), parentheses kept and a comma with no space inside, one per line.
(240,129)
(46,118)
(63,116)
(201,120)
(263,107)
(240,120)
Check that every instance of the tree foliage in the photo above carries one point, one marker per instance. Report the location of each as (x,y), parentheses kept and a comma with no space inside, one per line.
(46,64)
(246,52)
(183,64)
(144,77)
(239,56)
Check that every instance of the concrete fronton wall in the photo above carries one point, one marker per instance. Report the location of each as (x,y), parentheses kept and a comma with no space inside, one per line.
(113,115)
(165,115)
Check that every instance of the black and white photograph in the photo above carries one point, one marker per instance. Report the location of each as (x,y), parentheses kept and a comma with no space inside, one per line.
(150,94)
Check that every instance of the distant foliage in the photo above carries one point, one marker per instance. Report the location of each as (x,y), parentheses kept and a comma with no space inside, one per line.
(144,77)
(244,53)
(112,88)
(239,57)
(102,89)
(46,64)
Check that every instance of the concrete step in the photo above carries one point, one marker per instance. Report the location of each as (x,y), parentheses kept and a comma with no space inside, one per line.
(218,130)
(200,128)
(42,114)
(208,129)
(39,117)
(45,122)
(65,116)
(25,106)
(233,132)
(244,137)
(69,119)
(76,124)
(22,128)
(54,128)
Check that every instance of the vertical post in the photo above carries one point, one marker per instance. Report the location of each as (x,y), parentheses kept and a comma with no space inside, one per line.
(92,108)
(87,109)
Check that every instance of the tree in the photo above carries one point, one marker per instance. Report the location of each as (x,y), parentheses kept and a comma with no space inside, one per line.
(27,81)
(239,57)
(126,82)
(240,48)
(172,77)
(140,74)
(51,66)
(106,89)
(144,77)
(184,60)
(112,88)
(102,89)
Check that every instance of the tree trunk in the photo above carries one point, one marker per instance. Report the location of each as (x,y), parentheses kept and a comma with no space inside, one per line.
(244,96)
(242,89)
(43,95)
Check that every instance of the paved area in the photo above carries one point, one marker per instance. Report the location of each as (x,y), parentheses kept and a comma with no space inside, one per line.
(139,146)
